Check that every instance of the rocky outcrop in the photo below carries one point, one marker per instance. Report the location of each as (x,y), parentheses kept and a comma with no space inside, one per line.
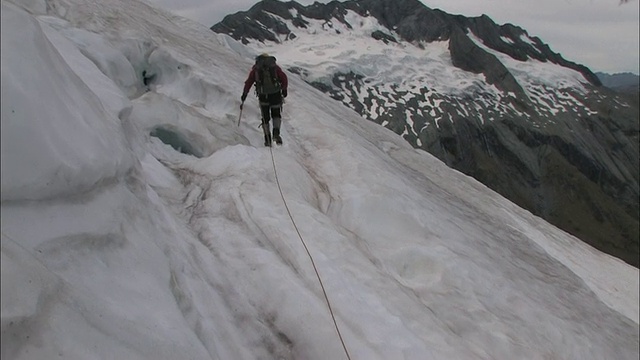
(466,55)
(262,25)
(568,154)
(385,38)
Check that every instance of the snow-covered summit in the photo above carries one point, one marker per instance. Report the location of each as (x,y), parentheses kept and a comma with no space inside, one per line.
(401,42)
(140,222)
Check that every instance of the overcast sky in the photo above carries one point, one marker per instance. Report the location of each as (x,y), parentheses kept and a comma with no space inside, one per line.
(601,34)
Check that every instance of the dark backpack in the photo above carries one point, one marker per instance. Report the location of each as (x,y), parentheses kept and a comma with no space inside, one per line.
(266,79)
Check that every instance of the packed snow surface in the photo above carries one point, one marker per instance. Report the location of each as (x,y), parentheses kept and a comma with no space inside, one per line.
(141,222)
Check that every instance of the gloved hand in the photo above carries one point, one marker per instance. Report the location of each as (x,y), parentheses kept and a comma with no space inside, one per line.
(243,97)
(284,93)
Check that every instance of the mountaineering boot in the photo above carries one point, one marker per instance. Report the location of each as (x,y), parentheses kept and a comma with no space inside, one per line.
(276,136)
(267,133)
(267,139)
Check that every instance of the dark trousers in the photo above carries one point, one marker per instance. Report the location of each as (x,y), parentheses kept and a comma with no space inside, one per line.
(270,107)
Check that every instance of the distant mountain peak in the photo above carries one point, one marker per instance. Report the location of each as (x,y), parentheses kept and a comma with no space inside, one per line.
(624,82)
(411,20)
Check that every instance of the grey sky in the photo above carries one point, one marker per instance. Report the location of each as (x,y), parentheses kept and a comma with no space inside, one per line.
(601,34)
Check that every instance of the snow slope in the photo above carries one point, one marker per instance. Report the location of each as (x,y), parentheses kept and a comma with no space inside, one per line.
(116,245)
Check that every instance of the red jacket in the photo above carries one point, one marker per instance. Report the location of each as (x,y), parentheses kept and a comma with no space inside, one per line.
(251,79)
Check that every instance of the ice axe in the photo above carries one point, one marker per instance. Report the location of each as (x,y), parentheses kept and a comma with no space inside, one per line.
(240,117)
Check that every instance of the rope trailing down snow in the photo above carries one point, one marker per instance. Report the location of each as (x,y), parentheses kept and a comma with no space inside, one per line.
(326,297)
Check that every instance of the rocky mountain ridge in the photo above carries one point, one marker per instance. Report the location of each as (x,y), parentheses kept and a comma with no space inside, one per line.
(618,79)
(489,100)
(622,82)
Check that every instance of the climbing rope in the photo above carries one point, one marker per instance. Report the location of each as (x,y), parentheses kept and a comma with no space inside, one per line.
(326,297)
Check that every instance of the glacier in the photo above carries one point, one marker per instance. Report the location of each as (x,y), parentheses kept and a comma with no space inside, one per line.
(117,244)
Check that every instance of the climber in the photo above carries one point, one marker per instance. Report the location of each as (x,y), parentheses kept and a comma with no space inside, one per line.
(271,87)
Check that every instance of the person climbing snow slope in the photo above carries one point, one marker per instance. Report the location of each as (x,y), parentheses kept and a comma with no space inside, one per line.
(271,87)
